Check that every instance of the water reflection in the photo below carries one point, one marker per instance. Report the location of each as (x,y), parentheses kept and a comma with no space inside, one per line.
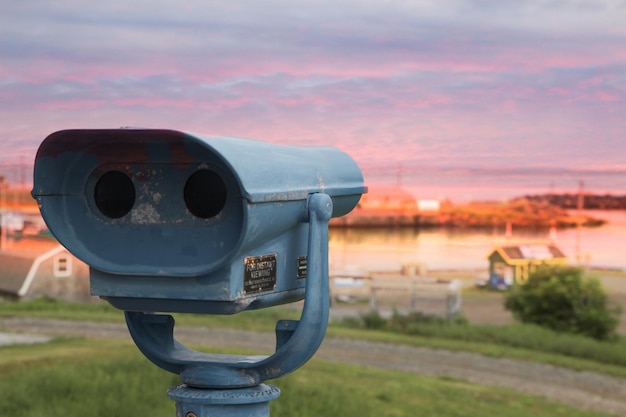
(389,249)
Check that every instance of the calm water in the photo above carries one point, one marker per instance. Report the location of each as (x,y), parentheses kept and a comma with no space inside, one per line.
(451,249)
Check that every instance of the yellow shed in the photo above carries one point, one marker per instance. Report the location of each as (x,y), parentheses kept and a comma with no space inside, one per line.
(512,264)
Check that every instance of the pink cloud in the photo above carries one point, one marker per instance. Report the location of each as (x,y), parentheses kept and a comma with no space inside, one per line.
(608,97)
(74,105)
(440,87)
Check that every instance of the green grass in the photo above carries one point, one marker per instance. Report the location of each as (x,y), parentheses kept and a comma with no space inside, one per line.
(76,377)
(517,341)
(51,308)
(101,311)
(81,377)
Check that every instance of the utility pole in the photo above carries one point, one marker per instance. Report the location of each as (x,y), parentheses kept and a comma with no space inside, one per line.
(579,218)
(3,197)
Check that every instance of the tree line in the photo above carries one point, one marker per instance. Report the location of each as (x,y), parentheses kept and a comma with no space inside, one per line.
(590,201)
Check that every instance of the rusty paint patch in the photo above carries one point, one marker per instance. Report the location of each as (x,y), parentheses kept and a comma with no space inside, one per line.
(320,182)
(106,144)
(145,214)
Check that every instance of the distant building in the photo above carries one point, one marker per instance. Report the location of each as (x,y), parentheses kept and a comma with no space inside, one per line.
(388,199)
(428,206)
(387,206)
(38,267)
(512,264)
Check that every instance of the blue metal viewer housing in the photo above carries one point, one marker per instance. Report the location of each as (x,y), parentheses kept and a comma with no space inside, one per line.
(174,222)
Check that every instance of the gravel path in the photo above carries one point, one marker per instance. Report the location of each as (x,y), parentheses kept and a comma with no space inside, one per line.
(7,339)
(579,389)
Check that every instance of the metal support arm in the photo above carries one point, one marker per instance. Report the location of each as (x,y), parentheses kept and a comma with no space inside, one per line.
(296,341)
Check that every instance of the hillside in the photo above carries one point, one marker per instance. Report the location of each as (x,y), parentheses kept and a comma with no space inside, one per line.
(520,212)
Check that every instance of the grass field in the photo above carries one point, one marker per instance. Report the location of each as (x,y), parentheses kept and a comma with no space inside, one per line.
(74,377)
(77,377)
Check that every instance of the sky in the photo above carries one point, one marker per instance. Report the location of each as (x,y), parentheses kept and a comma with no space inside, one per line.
(461,99)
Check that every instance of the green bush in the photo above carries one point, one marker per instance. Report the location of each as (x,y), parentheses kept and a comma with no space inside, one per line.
(373,320)
(559,298)
(411,323)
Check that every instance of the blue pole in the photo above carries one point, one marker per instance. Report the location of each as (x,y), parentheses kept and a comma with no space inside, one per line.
(239,402)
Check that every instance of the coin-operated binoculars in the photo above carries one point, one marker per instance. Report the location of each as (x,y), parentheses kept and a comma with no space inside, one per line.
(173,222)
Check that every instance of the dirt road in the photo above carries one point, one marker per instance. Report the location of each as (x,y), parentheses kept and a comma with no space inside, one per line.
(579,389)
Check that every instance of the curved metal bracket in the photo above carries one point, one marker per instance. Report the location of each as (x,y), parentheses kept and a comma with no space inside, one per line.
(296,341)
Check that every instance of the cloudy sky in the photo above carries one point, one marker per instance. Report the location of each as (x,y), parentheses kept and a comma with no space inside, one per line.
(457,95)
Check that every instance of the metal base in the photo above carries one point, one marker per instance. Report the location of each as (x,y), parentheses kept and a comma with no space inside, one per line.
(199,402)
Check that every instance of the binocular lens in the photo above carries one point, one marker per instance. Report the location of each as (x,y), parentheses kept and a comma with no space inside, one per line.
(114,194)
(205,194)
